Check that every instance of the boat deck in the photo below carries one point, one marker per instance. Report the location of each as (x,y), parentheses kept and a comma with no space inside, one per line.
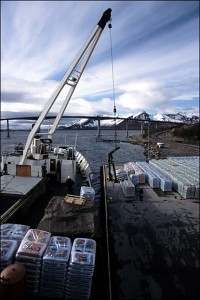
(33,218)
(17,195)
(153,244)
(53,188)
(18,185)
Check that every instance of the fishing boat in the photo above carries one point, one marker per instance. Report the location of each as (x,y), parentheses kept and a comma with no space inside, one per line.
(25,169)
(20,186)
(27,175)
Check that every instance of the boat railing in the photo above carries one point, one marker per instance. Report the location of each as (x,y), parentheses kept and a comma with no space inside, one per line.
(12,149)
(8,148)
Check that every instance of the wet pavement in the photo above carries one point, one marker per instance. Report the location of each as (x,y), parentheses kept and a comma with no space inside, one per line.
(154,244)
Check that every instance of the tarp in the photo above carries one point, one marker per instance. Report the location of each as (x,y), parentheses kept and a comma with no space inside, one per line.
(66,219)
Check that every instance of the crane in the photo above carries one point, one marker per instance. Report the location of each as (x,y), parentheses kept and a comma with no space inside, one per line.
(71,79)
(111,163)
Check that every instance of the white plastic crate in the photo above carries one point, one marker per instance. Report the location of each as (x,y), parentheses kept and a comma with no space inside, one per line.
(128,188)
(87,193)
(184,173)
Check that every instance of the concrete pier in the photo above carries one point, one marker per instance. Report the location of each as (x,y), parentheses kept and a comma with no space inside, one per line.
(99,128)
(8,130)
(153,244)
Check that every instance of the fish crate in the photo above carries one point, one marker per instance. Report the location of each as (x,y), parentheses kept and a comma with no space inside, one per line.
(87,193)
(128,188)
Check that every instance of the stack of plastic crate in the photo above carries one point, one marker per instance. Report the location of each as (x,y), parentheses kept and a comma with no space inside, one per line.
(54,267)
(135,173)
(165,182)
(11,237)
(81,269)
(152,178)
(128,188)
(14,232)
(185,179)
(8,251)
(30,254)
(188,169)
(121,175)
(129,168)
(87,192)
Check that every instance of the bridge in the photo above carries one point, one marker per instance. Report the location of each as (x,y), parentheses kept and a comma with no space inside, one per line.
(142,118)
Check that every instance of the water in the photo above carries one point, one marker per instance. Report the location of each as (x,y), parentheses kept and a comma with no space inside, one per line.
(96,153)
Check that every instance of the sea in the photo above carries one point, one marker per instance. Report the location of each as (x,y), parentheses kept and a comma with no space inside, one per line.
(93,148)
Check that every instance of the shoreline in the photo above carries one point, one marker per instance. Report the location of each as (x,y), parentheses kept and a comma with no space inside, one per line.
(172,146)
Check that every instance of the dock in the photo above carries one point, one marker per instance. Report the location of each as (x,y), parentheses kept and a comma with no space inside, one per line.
(153,244)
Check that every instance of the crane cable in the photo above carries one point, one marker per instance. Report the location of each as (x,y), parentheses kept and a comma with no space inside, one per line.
(113,82)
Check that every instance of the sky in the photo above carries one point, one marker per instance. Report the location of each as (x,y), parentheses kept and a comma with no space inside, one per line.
(155,51)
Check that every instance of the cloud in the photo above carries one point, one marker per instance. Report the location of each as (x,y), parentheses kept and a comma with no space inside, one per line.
(155,52)
(142,95)
(19,94)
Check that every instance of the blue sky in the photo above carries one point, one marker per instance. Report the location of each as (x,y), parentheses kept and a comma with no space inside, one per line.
(155,51)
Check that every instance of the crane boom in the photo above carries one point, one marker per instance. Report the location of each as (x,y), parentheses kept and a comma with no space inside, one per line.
(71,78)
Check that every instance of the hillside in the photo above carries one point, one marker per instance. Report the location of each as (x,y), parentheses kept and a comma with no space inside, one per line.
(177,142)
(187,132)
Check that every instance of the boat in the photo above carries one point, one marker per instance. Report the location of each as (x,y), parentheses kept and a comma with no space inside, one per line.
(30,176)
(25,169)
(21,186)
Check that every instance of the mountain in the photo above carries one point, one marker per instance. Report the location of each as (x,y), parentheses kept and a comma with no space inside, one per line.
(179,117)
(120,124)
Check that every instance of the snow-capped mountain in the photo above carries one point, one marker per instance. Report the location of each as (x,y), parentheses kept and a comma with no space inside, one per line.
(109,123)
(179,117)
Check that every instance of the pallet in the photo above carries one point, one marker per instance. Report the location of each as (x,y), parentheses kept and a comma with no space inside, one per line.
(74,199)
